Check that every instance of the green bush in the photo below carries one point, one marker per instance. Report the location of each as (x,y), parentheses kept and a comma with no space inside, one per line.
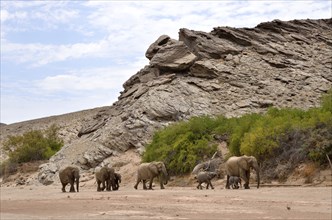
(31,146)
(319,142)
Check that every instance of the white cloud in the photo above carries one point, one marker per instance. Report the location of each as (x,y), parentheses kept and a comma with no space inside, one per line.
(5,17)
(36,15)
(130,27)
(118,31)
(41,54)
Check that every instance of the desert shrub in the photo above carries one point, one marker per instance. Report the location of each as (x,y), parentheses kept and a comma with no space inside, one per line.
(285,157)
(319,142)
(7,168)
(31,146)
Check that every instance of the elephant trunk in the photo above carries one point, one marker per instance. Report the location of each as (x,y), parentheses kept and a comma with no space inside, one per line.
(165,176)
(258,179)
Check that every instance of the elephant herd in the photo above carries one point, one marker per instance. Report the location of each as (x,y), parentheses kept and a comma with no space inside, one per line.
(106,178)
(237,168)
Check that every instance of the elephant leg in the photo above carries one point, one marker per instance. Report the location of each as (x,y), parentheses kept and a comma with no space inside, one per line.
(246,179)
(102,185)
(114,185)
(150,185)
(227,182)
(248,176)
(98,186)
(108,185)
(210,184)
(161,183)
(72,189)
(137,182)
(144,185)
(64,187)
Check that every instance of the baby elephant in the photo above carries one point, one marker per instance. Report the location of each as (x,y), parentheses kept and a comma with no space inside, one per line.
(117,181)
(205,177)
(234,182)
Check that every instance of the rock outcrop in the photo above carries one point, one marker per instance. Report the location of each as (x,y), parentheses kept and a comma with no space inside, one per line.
(230,71)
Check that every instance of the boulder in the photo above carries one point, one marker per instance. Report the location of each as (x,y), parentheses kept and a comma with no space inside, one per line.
(175,57)
(209,68)
(47,173)
(162,41)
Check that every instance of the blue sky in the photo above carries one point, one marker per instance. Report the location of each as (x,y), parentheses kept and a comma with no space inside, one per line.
(64,56)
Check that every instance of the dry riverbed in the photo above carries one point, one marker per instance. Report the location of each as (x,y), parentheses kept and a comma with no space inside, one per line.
(48,202)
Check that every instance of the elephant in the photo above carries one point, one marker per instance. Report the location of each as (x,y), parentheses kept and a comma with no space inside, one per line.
(240,166)
(69,174)
(148,171)
(106,177)
(205,177)
(117,181)
(235,182)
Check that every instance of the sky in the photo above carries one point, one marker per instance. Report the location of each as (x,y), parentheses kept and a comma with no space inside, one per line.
(59,57)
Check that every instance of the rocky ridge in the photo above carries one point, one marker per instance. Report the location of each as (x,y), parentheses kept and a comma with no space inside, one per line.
(230,71)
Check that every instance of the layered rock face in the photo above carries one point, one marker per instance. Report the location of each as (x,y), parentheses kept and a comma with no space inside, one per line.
(229,71)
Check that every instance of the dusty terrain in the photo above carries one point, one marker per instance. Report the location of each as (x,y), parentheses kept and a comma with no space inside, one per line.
(48,202)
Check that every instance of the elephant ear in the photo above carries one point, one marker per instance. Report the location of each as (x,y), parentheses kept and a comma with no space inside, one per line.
(153,166)
(243,163)
(160,166)
(253,163)
(251,160)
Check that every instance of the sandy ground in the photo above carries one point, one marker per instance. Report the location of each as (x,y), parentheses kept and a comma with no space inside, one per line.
(48,202)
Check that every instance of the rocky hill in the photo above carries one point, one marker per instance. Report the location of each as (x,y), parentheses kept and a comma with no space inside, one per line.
(228,71)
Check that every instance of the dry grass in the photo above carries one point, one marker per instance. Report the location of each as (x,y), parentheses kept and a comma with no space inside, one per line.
(30,167)
(308,172)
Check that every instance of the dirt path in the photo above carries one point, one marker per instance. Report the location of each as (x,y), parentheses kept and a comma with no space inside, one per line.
(172,203)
